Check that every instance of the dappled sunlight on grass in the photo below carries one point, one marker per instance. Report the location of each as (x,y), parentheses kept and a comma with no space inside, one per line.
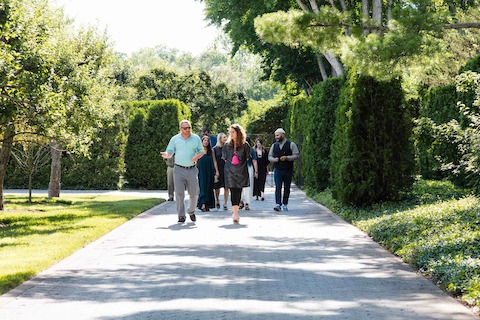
(34,236)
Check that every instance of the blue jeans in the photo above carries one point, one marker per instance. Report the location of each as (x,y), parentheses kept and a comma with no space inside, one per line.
(283,178)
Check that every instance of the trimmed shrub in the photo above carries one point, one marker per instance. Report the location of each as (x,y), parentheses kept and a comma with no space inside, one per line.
(268,122)
(372,151)
(320,122)
(296,128)
(152,125)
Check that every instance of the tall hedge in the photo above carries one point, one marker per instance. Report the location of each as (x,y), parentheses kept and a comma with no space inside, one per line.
(295,128)
(152,125)
(372,151)
(269,122)
(321,112)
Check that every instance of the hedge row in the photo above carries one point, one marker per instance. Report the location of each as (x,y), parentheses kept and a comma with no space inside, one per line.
(151,127)
(356,139)
(320,124)
(372,151)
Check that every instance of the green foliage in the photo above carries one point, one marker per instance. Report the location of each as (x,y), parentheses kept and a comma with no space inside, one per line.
(151,126)
(101,168)
(211,105)
(320,115)
(439,105)
(372,151)
(435,228)
(56,81)
(447,132)
(281,63)
(472,65)
(406,38)
(297,115)
(270,120)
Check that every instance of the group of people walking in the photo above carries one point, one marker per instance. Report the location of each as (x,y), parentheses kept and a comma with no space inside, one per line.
(203,168)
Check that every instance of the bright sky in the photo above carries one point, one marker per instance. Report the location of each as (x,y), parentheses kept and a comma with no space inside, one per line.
(137,24)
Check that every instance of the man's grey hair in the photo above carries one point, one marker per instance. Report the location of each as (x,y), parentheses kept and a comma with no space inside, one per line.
(184,121)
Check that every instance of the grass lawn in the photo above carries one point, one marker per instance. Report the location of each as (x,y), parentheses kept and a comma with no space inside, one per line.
(34,236)
(435,228)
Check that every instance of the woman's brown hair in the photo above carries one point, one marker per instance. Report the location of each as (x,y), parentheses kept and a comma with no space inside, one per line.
(241,135)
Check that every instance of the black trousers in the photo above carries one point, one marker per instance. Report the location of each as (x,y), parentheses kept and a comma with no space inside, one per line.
(235,196)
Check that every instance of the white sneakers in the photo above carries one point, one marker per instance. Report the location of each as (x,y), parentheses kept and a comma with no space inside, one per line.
(280,207)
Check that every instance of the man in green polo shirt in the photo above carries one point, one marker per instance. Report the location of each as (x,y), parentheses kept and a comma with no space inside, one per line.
(188,148)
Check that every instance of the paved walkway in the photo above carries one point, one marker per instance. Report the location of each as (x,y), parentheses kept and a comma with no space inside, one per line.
(302,264)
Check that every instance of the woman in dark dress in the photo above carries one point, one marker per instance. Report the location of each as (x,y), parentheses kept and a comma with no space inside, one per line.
(221,139)
(206,175)
(262,165)
(236,153)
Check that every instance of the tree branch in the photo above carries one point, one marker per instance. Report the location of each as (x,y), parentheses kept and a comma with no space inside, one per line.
(462,25)
(347,25)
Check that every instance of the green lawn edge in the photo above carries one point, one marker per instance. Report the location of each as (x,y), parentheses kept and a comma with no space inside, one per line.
(34,236)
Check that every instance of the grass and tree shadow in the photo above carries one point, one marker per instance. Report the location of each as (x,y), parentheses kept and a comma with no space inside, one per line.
(35,235)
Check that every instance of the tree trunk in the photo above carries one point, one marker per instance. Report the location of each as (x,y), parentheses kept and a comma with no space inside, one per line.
(302,5)
(335,63)
(30,178)
(323,72)
(314,5)
(377,11)
(389,11)
(366,14)
(5,152)
(54,185)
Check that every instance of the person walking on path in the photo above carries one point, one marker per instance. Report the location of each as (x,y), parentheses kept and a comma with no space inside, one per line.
(207,172)
(213,139)
(236,153)
(262,164)
(282,153)
(187,148)
(170,183)
(247,192)
(221,139)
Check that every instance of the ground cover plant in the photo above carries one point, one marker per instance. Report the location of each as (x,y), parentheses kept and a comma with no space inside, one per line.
(435,228)
(34,236)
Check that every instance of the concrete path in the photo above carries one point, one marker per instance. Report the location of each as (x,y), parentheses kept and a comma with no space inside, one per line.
(302,264)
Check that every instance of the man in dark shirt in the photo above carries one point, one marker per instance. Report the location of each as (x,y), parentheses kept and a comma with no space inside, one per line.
(282,153)
(213,139)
